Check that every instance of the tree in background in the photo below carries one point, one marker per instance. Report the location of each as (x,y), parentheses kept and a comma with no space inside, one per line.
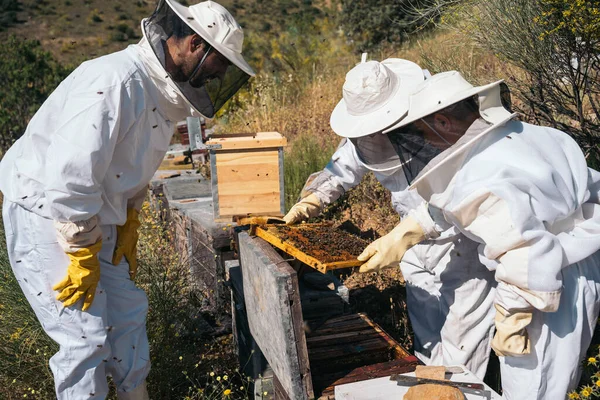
(555,45)
(28,75)
(8,13)
(372,23)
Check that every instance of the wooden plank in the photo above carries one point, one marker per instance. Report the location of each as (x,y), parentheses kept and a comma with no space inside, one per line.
(342,318)
(263,157)
(332,327)
(258,168)
(249,141)
(274,314)
(356,319)
(350,343)
(279,392)
(255,204)
(346,337)
(398,350)
(246,190)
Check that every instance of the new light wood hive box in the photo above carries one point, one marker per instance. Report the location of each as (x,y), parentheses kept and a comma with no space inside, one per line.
(247,174)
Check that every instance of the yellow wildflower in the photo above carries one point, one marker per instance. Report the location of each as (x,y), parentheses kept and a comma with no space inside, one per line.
(574,396)
(227,392)
(586,391)
(592,360)
(225,377)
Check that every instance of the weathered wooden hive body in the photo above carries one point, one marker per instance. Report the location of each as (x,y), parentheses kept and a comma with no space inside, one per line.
(309,351)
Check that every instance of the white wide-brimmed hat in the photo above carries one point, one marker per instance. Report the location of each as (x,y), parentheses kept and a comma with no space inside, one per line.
(217,26)
(375,96)
(438,92)
(445,89)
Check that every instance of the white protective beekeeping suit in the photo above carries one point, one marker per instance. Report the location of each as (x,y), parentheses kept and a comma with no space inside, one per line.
(85,159)
(449,292)
(526,195)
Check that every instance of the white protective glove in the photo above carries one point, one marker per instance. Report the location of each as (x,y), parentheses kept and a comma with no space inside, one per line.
(308,207)
(511,338)
(388,250)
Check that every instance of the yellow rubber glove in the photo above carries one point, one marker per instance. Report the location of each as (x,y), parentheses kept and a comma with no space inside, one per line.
(127,238)
(83,274)
(308,207)
(511,338)
(388,250)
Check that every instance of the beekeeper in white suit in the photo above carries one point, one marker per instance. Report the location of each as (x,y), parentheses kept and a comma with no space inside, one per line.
(525,194)
(74,183)
(449,292)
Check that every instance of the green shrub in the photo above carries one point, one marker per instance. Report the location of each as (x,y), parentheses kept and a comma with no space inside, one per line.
(28,75)
(372,23)
(305,157)
(123,33)
(552,47)
(556,43)
(8,13)
(119,37)
(95,17)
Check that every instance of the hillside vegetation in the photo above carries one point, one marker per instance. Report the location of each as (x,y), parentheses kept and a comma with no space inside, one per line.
(301,51)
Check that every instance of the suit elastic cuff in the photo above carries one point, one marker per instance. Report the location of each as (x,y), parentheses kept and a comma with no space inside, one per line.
(423,218)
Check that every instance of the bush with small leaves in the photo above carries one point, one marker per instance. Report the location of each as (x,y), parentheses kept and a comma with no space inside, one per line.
(28,75)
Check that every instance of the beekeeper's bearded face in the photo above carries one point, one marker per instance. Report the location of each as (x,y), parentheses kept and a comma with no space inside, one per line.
(200,48)
(192,58)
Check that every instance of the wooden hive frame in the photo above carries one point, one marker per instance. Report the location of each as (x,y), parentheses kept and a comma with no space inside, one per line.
(268,233)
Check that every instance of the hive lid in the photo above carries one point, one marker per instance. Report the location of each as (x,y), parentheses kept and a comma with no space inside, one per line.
(237,141)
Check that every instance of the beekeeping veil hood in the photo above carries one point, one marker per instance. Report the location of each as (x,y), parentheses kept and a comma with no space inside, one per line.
(434,154)
(222,34)
(375,96)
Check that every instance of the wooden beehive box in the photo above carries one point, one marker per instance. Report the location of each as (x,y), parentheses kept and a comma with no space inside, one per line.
(309,357)
(247,174)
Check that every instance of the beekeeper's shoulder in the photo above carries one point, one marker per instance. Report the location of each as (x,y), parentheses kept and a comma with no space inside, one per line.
(111,73)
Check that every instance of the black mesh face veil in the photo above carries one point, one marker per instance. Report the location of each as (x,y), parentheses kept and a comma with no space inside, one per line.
(208,95)
(412,149)
(403,148)
(376,153)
